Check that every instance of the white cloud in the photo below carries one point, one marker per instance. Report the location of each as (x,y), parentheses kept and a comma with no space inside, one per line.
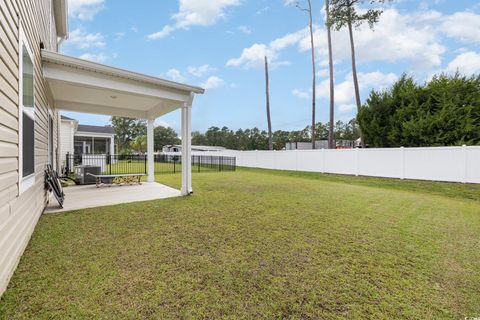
(323,73)
(100,57)
(201,70)
(85,9)
(467,63)
(174,75)
(346,108)
(253,56)
(263,10)
(213,82)
(162,123)
(302,94)
(344,91)
(196,13)
(245,29)
(83,40)
(464,26)
(290,2)
(289,39)
(415,38)
(162,33)
(119,35)
(397,37)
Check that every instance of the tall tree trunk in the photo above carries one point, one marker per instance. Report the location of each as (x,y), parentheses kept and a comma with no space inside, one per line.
(332,81)
(355,78)
(267,86)
(313,74)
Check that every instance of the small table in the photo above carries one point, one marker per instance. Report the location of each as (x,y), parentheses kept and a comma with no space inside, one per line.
(117,179)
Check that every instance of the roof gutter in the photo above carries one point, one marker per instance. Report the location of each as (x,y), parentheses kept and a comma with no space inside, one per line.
(60,9)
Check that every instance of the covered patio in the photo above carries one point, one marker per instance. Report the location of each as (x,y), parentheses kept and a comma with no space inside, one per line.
(83,86)
(85,197)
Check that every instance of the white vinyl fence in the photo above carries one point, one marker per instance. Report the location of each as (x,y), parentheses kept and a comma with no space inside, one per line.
(454,164)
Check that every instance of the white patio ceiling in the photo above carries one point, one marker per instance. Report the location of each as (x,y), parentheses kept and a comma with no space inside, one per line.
(84,86)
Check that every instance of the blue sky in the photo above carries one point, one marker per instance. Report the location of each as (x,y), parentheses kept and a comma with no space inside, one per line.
(220,45)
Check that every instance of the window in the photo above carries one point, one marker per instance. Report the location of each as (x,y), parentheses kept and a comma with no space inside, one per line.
(26,118)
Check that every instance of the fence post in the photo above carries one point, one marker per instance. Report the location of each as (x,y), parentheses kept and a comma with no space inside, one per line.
(323,160)
(402,159)
(67,163)
(111,162)
(296,159)
(145,159)
(465,164)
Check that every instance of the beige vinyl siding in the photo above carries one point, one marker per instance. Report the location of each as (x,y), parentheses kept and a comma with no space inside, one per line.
(20,213)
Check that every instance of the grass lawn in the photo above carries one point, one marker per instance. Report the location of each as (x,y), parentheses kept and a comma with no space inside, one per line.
(260,244)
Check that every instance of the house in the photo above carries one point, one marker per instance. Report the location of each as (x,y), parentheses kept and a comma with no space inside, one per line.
(178,148)
(36,82)
(81,139)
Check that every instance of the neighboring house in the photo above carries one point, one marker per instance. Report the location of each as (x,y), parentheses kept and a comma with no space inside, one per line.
(178,148)
(322,144)
(81,139)
(36,81)
(306,145)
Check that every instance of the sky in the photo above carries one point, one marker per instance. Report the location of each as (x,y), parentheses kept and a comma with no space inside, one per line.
(220,45)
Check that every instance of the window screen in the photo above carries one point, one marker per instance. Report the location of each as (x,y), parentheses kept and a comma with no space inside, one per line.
(28,115)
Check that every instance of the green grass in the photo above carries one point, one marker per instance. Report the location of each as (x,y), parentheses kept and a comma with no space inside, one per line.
(260,244)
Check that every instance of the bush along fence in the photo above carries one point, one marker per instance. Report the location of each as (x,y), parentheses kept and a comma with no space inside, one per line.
(164,163)
(451,164)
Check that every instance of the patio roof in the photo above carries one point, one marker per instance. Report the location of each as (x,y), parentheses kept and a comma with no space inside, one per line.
(83,86)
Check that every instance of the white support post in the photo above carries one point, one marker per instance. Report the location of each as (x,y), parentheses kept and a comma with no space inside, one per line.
(402,159)
(112,146)
(189,135)
(323,161)
(187,148)
(357,159)
(150,150)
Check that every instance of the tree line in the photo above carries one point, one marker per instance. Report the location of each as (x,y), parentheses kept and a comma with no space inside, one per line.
(257,139)
(130,136)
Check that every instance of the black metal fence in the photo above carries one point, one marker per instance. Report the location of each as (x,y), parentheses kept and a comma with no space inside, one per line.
(125,164)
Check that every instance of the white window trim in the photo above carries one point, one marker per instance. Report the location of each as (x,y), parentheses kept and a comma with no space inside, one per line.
(24,183)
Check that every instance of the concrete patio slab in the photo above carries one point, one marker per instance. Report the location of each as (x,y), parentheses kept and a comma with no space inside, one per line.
(83,197)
